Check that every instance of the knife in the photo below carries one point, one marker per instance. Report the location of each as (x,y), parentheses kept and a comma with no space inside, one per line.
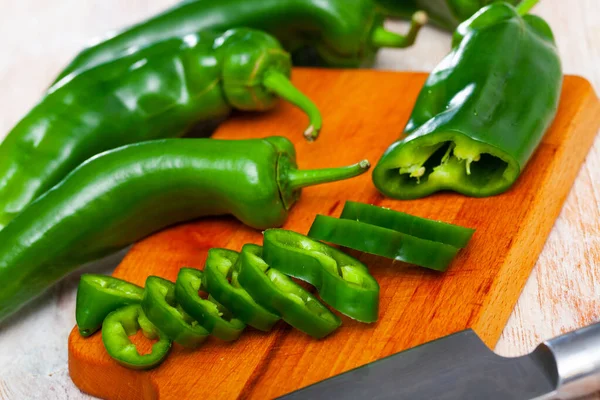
(461,366)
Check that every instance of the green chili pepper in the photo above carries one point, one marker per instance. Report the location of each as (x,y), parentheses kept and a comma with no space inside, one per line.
(98,296)
(156,92)
(221,274)
(281,295)
(383,242)
(423,228)
(214,317)
(482,112)
(161,308)
(124,322)
(342,281)
(121,196)
(343,33)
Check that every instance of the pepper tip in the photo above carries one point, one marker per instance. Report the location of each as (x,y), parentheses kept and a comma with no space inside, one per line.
(420,18)
(311,133)
(364,164)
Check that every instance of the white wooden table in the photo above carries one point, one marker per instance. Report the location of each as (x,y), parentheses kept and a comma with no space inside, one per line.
(39,37)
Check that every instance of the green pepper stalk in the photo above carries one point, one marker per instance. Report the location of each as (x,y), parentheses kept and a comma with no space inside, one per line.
(339,31)
(159,91)
(123,195)
(481,114)
(342,281)
(211,315)
(98,296)
(282,296)
(125,322)
(221,273)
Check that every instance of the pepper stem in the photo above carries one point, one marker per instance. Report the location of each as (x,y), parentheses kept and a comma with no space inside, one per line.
(526,5)
(384,38)
(298,179)
(281,85)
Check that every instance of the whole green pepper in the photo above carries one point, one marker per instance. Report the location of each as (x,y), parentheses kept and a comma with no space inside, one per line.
(446,14)
(482,112)
(161,308)
(123,195)
(157,92)
(221,271)
(125,322)
(98,296)
(342,281)
(343,32)
(214,317)
(282,296)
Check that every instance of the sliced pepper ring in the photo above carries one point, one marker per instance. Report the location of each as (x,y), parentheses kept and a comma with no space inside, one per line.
(342,281)
(98,296)
(125,322)
(221,266)
(383,242)
(162,310)
(423,228)
(214,317)
(280,294)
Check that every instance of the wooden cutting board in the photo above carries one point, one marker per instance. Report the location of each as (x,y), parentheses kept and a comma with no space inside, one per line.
(364,112)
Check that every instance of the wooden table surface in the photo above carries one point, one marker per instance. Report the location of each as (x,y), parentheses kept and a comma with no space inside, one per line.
(38,38)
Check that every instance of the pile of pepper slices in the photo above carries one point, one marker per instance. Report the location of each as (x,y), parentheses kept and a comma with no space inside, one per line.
(98,163)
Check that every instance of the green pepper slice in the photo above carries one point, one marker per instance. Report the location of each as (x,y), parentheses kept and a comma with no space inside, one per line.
(342,281)
(125,322)
(222,266)
(280,294)
(423,228)
(383,242)
(98,296)
(162,310)
(214,317)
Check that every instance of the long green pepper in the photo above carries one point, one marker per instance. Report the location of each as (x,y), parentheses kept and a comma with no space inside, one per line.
(159,91)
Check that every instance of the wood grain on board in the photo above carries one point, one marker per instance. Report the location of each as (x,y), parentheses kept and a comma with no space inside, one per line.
(364,111)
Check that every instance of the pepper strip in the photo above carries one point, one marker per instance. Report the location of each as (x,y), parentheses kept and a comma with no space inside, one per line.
(342,281)
(222,266)
(423,228)
(162,310)
(280,294)
(98,296)
(214,317)
(383,242)
(124,322)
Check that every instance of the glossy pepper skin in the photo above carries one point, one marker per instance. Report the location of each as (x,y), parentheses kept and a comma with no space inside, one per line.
(123,195)
(342,281)
(125,322)
(221,273)
(215,318)
(156,92)
(446,14)
(481,113)
(98,296)
(281,295)
(161,308)
(344,33)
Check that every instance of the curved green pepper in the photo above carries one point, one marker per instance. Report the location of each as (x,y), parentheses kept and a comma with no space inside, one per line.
(446,14)
(98,296)
(121,196)
(342,281)
(281,295)
(383,242)
(482,112)
(124,322)
(214,317)
(153,93)
(343,33)
(221,274)
(161,308)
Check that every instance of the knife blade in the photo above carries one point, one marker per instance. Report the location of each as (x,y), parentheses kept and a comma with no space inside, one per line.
(461,366)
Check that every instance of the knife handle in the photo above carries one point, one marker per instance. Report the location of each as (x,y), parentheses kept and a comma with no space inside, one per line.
(574,360)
